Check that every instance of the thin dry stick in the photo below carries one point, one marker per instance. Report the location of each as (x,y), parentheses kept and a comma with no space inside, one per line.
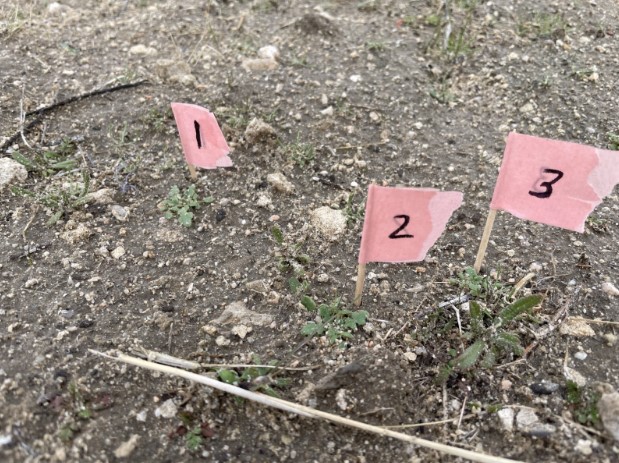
(484,239)
(597,322)
(554,323)
(305,411)
(522,282)
(33,210)
(39,112)
(428,423)
(359,286)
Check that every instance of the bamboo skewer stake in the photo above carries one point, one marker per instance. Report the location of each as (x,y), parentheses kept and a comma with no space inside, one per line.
(302,410)
(193,172)
(484,240)
(359,286)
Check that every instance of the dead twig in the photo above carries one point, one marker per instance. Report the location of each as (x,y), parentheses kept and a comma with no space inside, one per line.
(302,410)
(41,111)
(553,325)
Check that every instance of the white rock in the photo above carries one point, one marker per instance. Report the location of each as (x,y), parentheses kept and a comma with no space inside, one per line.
(527,108)
(576,327)
(355,78)
(118,252)
(6,440)
(126,448)
(322,278)
(278,181)
(264,201)
(10,172)
(222,341)
(141,417)
(269,52)
(410,356)
(237,312)
(535,267)
(328,111)
(175,72)
(120,213)
(331,223)
(241,330)
(610,289)
(56,8)
(31,283)
(168,409)
(143,50)
(583,447)
(340,399)
(580,355)
(258,131)
(259,64)
(79,233)
(572,375)
(506,415)
(608,405)
(526,418)
(102,196)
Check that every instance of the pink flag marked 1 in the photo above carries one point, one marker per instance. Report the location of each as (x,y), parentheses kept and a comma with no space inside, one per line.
(553,182)
(402,224)
(203,142)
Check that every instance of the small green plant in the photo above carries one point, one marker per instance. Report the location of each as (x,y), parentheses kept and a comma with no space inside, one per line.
(480,286)
(613,141)
(290,255)
(193,439)
(354,211)
(490,335)
(59,200)
(543,25)
(259,378)
(302,154)
(48,163)
(179,204)
(334,322)
(375,46)
(583,403)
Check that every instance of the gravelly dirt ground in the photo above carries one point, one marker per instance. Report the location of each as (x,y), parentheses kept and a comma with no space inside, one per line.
(362,92)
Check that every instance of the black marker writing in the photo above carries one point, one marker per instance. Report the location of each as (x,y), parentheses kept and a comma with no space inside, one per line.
(548,185)
(396,233)
(198,137)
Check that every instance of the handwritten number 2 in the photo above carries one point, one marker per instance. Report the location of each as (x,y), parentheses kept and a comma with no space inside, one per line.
(547,185)
(396,233)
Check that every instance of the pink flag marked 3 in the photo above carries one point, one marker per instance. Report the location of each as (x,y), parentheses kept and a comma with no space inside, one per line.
(203,142)
(402,224)
(553,182)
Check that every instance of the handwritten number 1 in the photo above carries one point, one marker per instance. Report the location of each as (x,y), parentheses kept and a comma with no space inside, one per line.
(396,233)
(198,137)
(547,185)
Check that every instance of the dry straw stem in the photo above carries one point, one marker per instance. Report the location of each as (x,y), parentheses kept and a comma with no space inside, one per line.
(303,410)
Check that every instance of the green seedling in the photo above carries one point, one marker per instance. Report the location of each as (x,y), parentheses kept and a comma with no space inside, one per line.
(543,25)
(333,321)
(302,154)
(354,211)
(290,255)
(583,403)
(376,46)
(59,201)
(193,439)
(179,204)
(613,141)
(482,287)
(259,378)
(51,162)
(491,337)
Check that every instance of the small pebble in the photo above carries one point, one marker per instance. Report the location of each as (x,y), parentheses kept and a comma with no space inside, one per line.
(580,355)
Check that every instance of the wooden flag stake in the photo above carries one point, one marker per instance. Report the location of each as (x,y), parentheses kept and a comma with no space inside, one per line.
(192,172)
(359,286)
(484,239)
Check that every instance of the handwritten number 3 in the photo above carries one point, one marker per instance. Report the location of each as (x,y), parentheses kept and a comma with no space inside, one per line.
(396,233)
(547,185)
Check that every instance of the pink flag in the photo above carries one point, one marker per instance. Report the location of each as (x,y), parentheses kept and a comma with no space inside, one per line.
(553,182)
(402,224)
(203,143)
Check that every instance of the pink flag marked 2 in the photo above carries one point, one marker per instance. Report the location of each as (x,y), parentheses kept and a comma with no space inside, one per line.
(553,182)
(402,224)
(203,143)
